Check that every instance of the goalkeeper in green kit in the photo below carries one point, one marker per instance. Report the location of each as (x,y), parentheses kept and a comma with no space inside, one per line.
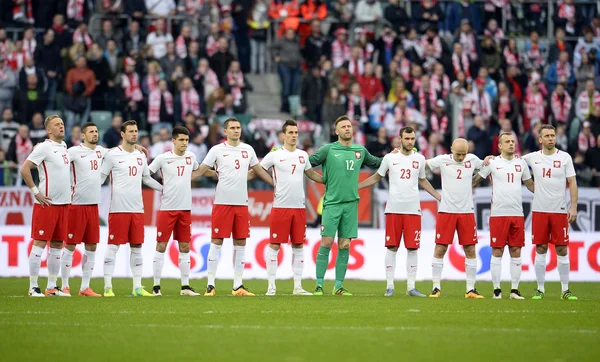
(341,162)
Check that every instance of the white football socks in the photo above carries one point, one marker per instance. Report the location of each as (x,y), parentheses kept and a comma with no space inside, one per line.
(437,266)
(87,266)
(563,271)
(515,272)
(239,259)
(35,260)
(157,266)
(471,271)
(110,256)
(390,268)
(540,271)
(412,263)
(213,262)
(53,267)
(136,262)
(297,266)
(272,266)
(184,268)
(496,270)
(66,264)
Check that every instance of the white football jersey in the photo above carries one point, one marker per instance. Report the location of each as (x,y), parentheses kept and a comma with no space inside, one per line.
(550,175)
(126,170)
(176,172)
(457,182)
(288,176)
(52,162)
(507,177)
(86,166)
(232,164)
(405,172)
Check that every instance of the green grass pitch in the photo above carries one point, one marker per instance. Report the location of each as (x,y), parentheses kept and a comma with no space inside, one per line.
(365,327)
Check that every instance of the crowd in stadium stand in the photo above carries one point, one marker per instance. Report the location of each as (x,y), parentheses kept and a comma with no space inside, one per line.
(447,68)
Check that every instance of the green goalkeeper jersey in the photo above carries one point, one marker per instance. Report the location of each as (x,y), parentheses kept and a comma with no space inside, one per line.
(341,168)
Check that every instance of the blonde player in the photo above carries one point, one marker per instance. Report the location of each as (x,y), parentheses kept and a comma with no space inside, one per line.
(52,199)
(550,220)
(127,168)
(231,159)
(507,224)
(403,209)
(288,216)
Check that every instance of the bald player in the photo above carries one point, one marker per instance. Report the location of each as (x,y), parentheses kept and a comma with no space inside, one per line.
(456,213)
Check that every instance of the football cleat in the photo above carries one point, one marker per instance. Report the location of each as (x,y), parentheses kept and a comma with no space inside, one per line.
(300,291)
(318,290)
(141,292)
(497,293)
(515,294)
(473,294)
(242,292)
(435,293)
(188,291)
(66,290)
(156,291)
(389,292)
(539,295)
(108,292)
(271,291)
(210,291)
(341,291)
(567,295)
(36,292)
(415,293)
(56,292)
(88,292)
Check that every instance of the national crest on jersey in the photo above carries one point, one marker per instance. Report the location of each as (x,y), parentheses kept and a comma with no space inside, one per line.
(301,159)
(518,168)
(468,164)
(415,165)
(358,155)
(188,160)
(139,161)
(557,164)
(98,154)
(244,154)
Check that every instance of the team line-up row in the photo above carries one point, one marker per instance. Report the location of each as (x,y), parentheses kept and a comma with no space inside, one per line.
(68,194)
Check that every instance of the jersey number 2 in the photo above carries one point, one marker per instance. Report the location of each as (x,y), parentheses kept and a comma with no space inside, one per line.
(459,174)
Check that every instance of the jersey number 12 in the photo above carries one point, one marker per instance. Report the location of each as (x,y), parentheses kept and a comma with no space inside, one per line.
(349,165)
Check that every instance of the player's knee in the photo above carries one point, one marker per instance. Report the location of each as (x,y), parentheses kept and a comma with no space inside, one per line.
(239,242)
(327,242)
(440,251)
(218,241)
(161,247)
(515,251)
(497,252)
(183,247)
(344,244)
(470,251)
(394,249)
(562,250)
(54,244)
(275,246)
(541,249)
(70,247)
(90,247)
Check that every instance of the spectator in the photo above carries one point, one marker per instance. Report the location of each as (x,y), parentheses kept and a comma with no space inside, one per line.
(317,47)
(482,104)
(228,107)
(286,52)
(588,100)
(160,107)
(343,11)
(170,61)
(133,40)
(37,131)
(586,139)
(198,147)
(506,106)
(403,115)
(478,133)
(490,84)
(29,42)
(426,96)
(80,86)
(594,119)
(461,62)
(6,45)
(592,159)
(531,143)
(189,99)
(77,12)
(505,127)
(110,6)
(440,82)
(311,10)
(32,99)
(8,84)
(159,38)
(431,38)
(511,55)
(396,15)
(19,149)
(160,8)
(379,111)
(455,111)
(566,17)
(136,9)
(340,50)
(130,90)
(495,32)
(16,59)
(8,128)
(534,104)
(48,53)
(29,67)
(313,91)
(438,121)
(380,146)
(490,57)
(183,41)
(399,90)
(75,136)
(102,71)
(108,32)
(562,141)
(561,71)
(560,45)
(387,45)
(457,12)
(427,14)
(587,45)
(535,52)
(81,35)
(369,84)
(112,137)
(560,105)
(221,60)
(259,25)
(163,145)
(237,85)
(205,79)
(356,65)
(368,11)
(44,11)
(587,70)
(284,11)
(62,32)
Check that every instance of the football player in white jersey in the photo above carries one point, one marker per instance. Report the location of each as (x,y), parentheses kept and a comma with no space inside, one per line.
(456,213)
(50,211)
(231,159)
(551,168)
(175,216)
(403,209)
(127,168)
(507,224)
(288,216)
(84,221)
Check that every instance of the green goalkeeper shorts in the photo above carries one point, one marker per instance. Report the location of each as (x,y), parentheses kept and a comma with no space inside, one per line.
(341,219)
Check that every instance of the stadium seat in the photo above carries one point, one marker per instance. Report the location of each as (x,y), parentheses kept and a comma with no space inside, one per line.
(102,119)
(295,107)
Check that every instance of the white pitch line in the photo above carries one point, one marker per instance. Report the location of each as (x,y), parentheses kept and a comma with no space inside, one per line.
(294,328)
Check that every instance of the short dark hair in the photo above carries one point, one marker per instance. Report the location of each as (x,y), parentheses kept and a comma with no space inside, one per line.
(125,124)
(86,125)
(289,122)
(547,126)
(229,120)
(341,119)
(177,130)
(406,129)
(504,134)
(48,119)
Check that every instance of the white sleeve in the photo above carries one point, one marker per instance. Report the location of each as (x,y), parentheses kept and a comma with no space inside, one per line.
(477,162)
(526,174)
(156,164)
(211,157)
(436,162)
(38,155)
(569,169)
(107,164)
(527,158)
(485,171)
(307,165)
(267,161)
(146,170)
(384,167)
(253,158)
(422,174)
(195,164)
(71,153)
